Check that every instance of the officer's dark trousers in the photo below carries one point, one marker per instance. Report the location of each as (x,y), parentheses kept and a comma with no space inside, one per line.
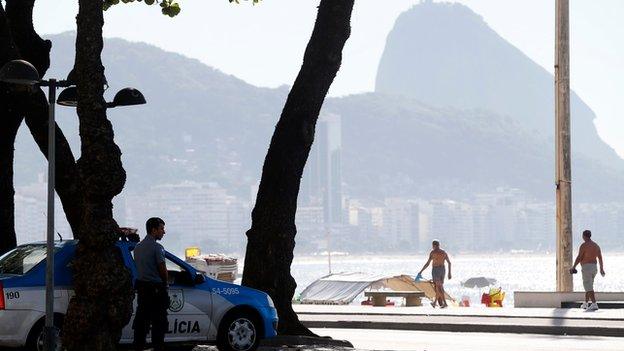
(152,304)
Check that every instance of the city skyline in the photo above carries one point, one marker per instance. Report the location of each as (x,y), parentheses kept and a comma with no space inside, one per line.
(206,215)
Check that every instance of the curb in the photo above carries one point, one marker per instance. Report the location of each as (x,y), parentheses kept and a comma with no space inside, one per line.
(457,315)
(470,328)
(298,342)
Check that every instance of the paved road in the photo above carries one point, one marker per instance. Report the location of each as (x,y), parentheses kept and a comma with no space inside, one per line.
(374,339)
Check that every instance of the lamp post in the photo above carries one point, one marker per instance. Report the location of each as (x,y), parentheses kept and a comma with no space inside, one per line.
(23,73)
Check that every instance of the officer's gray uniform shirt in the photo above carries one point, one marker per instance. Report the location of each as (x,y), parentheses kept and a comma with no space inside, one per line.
(147,255)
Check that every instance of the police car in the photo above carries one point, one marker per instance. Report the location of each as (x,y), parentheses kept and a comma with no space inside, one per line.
(202,310)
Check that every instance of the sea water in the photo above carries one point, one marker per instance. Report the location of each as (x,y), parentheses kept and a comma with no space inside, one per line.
(513,271)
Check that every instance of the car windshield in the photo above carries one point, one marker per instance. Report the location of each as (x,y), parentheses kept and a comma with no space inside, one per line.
(22,259)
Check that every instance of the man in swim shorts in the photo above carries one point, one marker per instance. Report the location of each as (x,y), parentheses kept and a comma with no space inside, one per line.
(589,252)
(437,257)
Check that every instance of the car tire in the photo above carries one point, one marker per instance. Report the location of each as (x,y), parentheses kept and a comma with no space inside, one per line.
(239,331)
(35,341)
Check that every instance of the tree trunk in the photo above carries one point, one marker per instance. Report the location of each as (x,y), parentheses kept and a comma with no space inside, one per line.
(31,47)
(10,121)
(271,239)
(102,304)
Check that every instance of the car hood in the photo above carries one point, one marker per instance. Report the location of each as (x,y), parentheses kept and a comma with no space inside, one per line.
(244,293)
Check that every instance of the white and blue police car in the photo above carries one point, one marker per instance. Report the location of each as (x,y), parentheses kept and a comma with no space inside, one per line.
(202,310)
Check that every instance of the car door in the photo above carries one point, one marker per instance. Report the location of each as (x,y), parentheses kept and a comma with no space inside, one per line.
(190,306)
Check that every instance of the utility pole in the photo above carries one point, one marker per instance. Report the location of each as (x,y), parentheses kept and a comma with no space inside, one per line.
(563,150)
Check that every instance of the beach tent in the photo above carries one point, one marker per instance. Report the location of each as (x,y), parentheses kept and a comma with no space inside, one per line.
(343,288)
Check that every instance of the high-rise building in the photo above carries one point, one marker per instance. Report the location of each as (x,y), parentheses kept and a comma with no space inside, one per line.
(498,218)
(452,223)
(30,219)
(540,226)
(321,184)
(603,219)
(200,214)
(402,223)
(31,213)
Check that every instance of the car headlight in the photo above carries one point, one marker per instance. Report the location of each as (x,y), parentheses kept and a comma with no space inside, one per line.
(270,301)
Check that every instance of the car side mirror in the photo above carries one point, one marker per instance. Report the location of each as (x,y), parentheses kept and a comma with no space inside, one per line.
(199,278)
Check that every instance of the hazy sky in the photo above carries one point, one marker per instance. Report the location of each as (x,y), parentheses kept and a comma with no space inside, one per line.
(263,44)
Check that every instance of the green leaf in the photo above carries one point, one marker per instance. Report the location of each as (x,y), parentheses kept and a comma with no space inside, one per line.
(175,9)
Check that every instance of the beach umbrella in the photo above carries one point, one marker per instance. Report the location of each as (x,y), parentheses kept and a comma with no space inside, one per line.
(478,282)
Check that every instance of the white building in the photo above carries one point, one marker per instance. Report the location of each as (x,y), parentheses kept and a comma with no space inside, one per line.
(31,213)
(452,224)
(196,214)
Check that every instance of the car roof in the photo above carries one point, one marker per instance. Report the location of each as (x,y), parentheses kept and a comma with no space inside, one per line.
(72,242)
(59,243)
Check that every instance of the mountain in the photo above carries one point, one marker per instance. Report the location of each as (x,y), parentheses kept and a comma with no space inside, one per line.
(446,55)
(203,125)
(198,123)
(395,145)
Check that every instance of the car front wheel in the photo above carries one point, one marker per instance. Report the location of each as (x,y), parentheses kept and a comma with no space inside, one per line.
(239,331)
(36,337)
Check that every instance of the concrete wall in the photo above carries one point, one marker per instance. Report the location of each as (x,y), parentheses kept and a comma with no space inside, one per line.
(554,299)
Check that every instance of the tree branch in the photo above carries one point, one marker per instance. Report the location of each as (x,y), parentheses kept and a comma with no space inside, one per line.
(31,47)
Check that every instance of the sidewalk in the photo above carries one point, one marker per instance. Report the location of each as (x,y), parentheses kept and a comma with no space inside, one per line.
(552,321)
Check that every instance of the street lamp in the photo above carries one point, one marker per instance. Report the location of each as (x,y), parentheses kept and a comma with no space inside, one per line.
(23,73)
(124,97)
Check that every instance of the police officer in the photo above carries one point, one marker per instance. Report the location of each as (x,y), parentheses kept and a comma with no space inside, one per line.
(151,286)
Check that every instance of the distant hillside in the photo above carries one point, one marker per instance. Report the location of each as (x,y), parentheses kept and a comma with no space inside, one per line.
(200,124)
(395,144)
(446,55)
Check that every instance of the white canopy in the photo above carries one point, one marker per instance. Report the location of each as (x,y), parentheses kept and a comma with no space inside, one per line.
(342,288)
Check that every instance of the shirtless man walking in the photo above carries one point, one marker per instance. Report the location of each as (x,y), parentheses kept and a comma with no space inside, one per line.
(589,252)
(437,258)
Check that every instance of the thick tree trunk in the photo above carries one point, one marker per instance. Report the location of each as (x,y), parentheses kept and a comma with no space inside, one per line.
(9,125)
(31,47)
(9,49)
(271,239)
(102,304)
(10,121)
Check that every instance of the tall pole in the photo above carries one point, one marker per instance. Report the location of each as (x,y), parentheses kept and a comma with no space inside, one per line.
(50,332)
(562,139)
